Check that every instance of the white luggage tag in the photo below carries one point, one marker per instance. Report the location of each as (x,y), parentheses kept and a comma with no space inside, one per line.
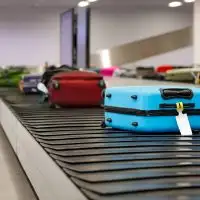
(182,120)
(41,87)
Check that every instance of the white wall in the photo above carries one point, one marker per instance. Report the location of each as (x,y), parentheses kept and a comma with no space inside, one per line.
(196,33)
(29,36)
(182,57)
(111,28)
(114,27)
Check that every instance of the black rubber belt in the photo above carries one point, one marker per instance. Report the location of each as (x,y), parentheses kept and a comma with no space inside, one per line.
(114,165)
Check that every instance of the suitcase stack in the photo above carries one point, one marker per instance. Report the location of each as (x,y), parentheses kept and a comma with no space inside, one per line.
(180,75)
(109,71)
(163,69)
(150,109)
(76,89)
(142,72)
(28,83)
(128,73)
(147,73)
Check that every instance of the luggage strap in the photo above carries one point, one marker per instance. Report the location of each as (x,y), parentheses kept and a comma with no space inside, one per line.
(137,112)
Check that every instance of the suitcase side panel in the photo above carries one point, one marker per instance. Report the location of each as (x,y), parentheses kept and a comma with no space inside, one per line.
(79,92)
(145,98)
(147,124)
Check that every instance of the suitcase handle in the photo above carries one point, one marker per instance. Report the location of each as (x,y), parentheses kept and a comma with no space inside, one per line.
(187,105)
(171,93)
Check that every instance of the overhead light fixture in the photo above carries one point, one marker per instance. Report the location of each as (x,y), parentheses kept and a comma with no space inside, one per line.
(189,1)
(83,4)
(91,1)
(174,4)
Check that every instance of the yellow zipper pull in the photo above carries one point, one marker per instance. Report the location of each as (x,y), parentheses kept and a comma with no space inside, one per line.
(179,107)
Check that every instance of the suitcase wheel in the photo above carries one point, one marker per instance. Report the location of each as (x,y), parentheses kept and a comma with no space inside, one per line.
(102,84)
(134,97)
(51,105)
(55,84)
(103,124)
(109,120)
(108,95)
(135,124)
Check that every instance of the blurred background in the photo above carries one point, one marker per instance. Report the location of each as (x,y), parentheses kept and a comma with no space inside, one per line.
(133,36)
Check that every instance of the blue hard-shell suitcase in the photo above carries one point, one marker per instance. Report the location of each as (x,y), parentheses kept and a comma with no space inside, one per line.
(150,108)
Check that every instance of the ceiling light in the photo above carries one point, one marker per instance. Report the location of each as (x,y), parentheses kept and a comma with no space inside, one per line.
(175,4)
(91,1)
(83,3)
(189,1)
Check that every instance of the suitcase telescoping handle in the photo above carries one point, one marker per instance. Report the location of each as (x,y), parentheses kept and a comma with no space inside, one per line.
(171,93)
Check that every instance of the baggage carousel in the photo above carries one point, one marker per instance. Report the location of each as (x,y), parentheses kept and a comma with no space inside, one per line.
(106,164)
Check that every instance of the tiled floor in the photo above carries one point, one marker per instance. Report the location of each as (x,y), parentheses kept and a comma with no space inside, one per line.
(13,181)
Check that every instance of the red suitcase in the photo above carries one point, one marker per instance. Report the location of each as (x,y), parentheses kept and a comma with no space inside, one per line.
(77,88)
(164,68)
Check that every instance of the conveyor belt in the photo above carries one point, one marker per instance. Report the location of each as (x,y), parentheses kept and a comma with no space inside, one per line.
(111,164)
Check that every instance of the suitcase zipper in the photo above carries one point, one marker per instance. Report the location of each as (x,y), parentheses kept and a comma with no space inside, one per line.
(187,105)
(132,111)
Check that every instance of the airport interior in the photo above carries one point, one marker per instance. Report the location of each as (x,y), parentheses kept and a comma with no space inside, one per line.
(100,100)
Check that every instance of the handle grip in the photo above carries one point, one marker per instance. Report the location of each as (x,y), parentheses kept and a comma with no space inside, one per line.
(171,93)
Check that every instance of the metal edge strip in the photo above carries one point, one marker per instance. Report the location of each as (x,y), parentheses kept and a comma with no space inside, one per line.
(47,179)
